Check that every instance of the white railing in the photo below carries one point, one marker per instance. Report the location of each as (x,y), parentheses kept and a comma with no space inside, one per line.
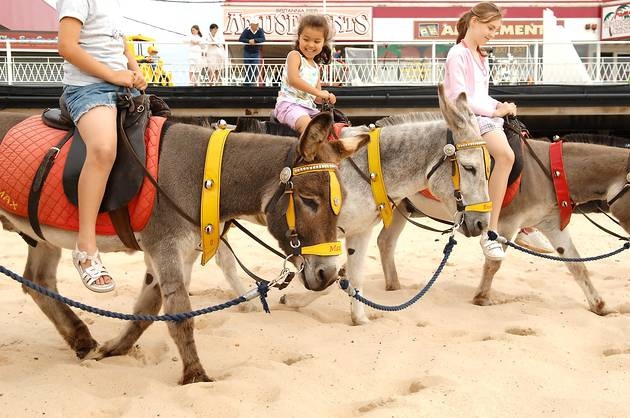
(595,66)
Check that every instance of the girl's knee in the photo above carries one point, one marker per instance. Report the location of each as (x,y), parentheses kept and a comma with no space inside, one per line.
(103,153)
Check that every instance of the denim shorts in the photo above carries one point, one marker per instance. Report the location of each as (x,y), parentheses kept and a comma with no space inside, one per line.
(288,112)
(80,99)
(487,124)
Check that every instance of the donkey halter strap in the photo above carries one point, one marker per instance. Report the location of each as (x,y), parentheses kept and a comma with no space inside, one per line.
(211,194)
(377,183)
(326,248)
(450,152)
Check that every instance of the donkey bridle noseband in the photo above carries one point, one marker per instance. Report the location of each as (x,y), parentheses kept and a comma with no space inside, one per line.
(290,170)
(450,153)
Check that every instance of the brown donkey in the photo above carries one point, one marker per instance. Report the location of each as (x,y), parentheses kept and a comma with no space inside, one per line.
(249,179)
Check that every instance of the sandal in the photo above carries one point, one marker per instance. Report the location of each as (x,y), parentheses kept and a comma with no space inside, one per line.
(90,275)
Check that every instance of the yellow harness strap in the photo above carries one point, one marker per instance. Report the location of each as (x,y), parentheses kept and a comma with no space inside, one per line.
(326,248)
(211,194)
(377,182)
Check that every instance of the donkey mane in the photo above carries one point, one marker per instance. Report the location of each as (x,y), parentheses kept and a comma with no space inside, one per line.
(409,118)
(599,139)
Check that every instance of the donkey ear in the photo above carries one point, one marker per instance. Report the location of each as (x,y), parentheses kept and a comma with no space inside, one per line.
(454,114)
(315,134)
(345,147)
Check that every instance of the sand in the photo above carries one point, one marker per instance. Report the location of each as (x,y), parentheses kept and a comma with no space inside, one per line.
(537,351)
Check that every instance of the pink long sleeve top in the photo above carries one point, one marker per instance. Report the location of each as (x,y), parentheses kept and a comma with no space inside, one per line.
(465,74)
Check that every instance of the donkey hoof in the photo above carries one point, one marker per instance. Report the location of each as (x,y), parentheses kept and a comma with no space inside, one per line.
(195,377)
(392,286)
(83,347)
(481,301)
(360,320)
(601,309)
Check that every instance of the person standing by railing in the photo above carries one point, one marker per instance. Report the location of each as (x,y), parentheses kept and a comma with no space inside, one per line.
(195,60)
(215,54)
(252,37)
(98,64)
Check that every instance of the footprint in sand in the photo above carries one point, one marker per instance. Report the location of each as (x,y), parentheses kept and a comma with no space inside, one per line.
(615,351)
(521,331)
(295,359)
(150,355)
(379,403)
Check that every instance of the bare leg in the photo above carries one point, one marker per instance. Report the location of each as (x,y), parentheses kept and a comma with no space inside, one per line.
(41,268)
(98,129)
(503,160)
(301,123)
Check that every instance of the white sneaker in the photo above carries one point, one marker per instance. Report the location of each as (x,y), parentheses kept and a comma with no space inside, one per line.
(492,249)
(534,240)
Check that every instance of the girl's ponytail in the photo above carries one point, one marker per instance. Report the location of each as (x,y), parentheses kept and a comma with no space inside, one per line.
(462,25)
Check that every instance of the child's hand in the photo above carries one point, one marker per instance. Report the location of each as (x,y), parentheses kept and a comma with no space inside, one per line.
(327,96)
(124,78)
(139,81)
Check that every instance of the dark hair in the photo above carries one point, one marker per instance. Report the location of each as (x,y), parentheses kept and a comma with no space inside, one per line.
(198,30)
(214,26)
(318,22)
(484,12)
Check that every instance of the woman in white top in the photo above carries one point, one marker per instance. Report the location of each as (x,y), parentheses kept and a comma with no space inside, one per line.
(215,53)
(195,62)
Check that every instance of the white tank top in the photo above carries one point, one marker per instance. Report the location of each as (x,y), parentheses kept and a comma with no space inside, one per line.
(309,74)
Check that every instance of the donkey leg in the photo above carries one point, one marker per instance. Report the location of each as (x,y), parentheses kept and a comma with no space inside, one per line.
(561,240)
(356,246)
(149,302)
(490,268)
(386,241)
(227,263)
(41,268)
(170,271)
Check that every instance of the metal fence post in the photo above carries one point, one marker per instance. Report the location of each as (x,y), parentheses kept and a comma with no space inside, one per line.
(9,64)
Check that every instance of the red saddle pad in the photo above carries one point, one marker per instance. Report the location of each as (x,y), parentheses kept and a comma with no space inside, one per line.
(21,153)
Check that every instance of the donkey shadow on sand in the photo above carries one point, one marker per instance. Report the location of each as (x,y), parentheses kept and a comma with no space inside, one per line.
(250,174)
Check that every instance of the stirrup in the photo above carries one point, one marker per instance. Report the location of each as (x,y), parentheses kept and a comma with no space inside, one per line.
(89,275)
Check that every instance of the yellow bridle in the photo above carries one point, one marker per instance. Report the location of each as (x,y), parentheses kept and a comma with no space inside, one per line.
(211,194)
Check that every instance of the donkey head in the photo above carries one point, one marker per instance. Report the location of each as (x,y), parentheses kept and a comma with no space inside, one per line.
(469,165)
(304,219)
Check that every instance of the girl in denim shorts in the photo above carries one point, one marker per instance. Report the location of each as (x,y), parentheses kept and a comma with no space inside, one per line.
(97,65)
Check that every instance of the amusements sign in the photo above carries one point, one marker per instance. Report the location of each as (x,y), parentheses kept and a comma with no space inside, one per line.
(514,29)
(616,22)
(281,23)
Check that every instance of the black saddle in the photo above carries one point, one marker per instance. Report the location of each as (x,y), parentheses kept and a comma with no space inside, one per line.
(515,131)
(127,175)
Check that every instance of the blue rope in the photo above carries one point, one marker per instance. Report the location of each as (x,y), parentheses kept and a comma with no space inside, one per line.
(175,317)
(352,292)
(493,236)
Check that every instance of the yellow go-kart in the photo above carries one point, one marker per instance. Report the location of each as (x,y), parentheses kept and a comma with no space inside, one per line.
(151,63)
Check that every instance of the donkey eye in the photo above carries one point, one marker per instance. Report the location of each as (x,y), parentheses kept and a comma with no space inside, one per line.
(310,203)
(470,169)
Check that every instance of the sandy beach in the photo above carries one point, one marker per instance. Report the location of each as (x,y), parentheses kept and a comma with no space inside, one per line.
(537,351)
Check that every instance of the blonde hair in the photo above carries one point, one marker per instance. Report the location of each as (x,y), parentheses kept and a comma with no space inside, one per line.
(484,12)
